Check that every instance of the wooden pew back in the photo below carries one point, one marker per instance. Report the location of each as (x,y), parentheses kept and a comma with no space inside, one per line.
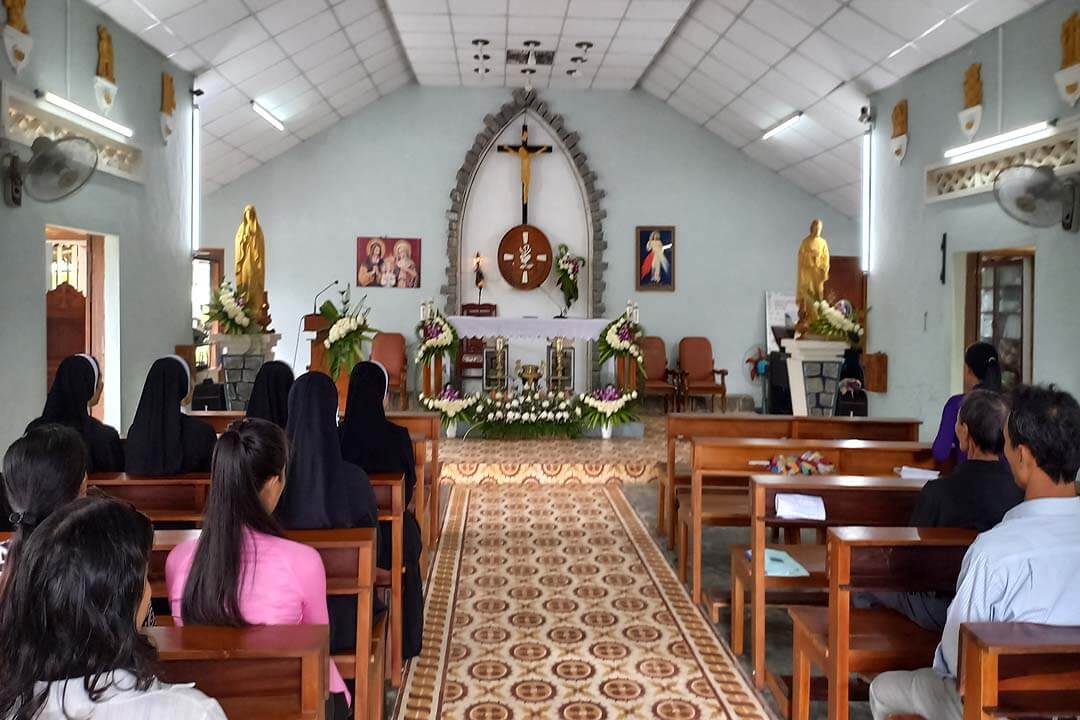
(220,420)
(271,672)
(883,501)
(173,499)
(742,457)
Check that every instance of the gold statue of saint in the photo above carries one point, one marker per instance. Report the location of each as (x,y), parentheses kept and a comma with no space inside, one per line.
(899,119)
(525,151)
(168,94)
(105,67)
(973,89)
(16,15)
(1070,41)
(251,263)
(813,274)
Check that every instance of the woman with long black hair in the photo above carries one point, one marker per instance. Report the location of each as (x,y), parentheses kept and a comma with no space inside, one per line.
(76,388)
(982,371)
(43,470)
(269,397)
(70,645)
(324,491)
(374,443)
(162,440)
(241,571)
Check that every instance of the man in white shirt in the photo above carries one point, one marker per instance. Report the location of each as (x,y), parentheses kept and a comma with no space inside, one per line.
(1026,569)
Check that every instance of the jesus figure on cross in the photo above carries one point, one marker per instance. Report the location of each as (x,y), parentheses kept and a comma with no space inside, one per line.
(525,151)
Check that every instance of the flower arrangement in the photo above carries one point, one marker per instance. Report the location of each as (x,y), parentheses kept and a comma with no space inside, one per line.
(569,266)
(528,414)
(437,336)
(451,404)
(227,309)
(349,330)
(837,321)
(619,339)
(607,407)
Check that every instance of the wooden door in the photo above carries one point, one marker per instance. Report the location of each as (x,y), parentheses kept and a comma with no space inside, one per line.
(65,326)
(846,281)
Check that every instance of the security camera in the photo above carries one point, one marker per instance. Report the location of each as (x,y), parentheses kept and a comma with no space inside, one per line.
(865,116)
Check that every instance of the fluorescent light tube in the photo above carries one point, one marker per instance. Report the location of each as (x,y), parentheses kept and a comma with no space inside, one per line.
(784,125)
(267,116)
(1003,141)
(196,176)
(85,114)
(865,193)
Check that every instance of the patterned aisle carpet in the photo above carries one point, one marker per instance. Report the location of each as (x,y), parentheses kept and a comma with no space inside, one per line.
(554,602)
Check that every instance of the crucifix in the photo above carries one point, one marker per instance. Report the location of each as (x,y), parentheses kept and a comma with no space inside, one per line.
(525,151)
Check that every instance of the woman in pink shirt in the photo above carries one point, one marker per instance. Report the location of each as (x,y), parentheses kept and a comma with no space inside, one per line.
(242,571)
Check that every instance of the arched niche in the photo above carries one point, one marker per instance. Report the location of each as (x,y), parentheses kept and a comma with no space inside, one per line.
(458,287)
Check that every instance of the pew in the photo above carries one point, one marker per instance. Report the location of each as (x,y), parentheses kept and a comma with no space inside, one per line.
(731,461)
(1014,669)
(390,494)
(220,420)
(683,426)
(349,557)
(421,496)
(269,672)
(178,499)
(849,500)
(429,425)
(843,640)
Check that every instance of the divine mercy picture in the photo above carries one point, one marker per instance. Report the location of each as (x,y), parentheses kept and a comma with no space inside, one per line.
(655,257)
(388,262)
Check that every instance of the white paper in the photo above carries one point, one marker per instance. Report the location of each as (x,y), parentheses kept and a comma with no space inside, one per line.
(914,473)
(800,507)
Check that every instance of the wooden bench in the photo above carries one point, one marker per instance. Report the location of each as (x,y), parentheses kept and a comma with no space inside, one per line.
(732,461)
(269,672)
(683,426)
(429,425)
(1019,670)
(177,499)
(843,640)
(849,500)
(390,494)
(349,557)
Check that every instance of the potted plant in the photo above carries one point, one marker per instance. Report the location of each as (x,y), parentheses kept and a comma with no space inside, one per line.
(452,406)
(349,330)
(569,267)
(607,407)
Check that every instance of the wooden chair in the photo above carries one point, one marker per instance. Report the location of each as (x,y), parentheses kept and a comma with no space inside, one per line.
(176,500)
(730,462)
(269,672)
(349,557)
(389,350)
(849,500)
(469,363)
(696,362)
(844,640)
(659,379)
(682,426)
(1010,669)
(429,425)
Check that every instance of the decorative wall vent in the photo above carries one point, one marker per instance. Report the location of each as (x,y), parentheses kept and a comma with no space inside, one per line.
(945,182)
(521,57)
(25,119)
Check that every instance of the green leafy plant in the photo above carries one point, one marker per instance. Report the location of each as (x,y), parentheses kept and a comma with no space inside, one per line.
(349,330)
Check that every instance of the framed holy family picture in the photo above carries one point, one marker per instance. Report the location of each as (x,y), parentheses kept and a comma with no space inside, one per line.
(388,262)
(655,257)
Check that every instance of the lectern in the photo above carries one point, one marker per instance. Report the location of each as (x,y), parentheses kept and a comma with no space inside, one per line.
(319,361)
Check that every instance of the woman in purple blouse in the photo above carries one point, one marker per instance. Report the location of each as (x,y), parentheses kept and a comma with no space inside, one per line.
(982,370)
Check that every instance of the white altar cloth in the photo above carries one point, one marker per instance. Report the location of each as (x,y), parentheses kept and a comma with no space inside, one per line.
(509,327)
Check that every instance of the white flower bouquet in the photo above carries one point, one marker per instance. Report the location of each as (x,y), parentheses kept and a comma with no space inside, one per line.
(619,339)
(227,309)
(437,337)
(349,330)
(837,321)
(608,406)
(568,268)
(528,414)
(451,405)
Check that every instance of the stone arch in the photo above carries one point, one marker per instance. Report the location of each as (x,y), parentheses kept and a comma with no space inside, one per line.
(521,101)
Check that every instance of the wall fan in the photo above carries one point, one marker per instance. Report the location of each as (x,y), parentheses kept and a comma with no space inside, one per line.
(56,169)
(1036,196)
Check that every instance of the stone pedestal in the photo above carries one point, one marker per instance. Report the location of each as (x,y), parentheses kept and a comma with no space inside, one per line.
(813,373)
(240,357)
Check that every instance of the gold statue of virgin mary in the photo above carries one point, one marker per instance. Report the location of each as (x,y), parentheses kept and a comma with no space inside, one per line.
(251,264)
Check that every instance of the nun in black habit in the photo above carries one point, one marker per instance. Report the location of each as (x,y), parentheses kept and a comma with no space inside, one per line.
(162,440)
(76,388)
(378,445)
(322,491)
(269,398)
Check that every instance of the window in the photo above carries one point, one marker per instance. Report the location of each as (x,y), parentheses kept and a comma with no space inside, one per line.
(68,264)
(205,278)
(1000,294)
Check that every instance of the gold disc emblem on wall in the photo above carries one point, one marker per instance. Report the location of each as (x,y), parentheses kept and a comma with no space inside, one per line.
(525,257)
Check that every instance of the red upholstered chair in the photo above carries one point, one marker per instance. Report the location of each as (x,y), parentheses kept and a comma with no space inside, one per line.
(699,372)
(659,379)
(389,349)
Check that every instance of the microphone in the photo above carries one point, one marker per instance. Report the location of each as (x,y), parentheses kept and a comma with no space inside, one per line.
(315,302)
